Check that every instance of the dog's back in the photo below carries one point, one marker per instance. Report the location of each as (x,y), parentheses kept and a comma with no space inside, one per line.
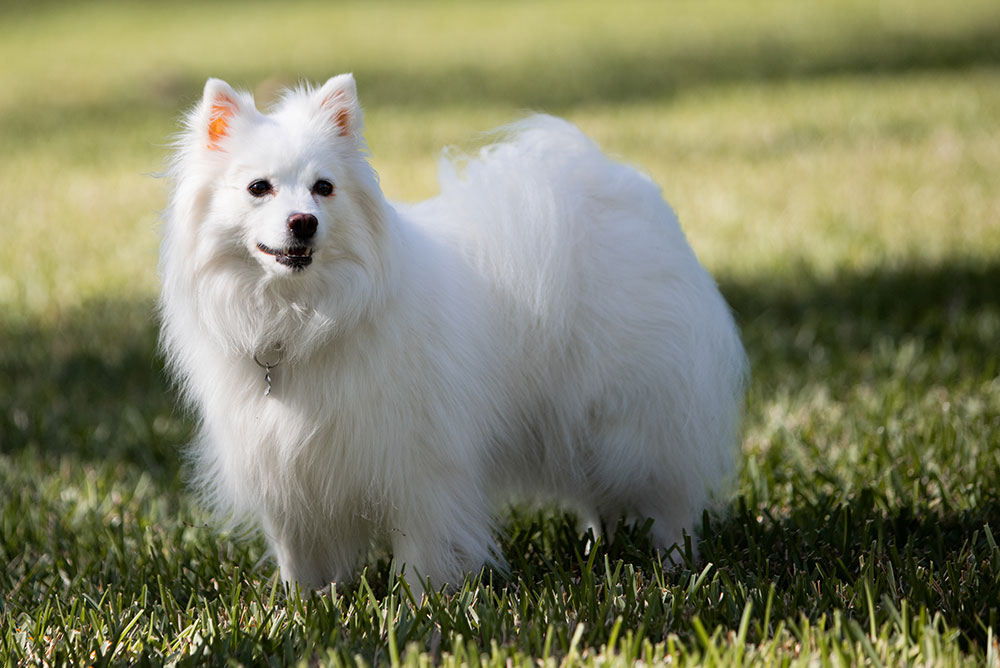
(627,363)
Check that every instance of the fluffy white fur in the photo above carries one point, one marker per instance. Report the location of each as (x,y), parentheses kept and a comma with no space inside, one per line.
(540,330)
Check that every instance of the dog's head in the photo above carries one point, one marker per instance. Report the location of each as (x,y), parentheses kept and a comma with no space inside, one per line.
(282,187)
(275,219)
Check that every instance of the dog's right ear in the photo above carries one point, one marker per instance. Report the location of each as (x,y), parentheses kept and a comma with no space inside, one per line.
(338,100)
(220,104)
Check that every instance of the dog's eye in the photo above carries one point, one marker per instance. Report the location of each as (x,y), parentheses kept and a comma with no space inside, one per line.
(323,188)
(259,188)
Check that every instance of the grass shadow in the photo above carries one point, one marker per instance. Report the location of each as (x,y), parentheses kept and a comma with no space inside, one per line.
(831,554)
(607,73)
(88,383)
(600,74)
(844,329)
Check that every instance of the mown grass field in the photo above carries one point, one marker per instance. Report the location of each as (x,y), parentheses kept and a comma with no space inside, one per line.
(836,165)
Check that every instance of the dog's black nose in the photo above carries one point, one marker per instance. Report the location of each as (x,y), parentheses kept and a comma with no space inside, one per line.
(302,225)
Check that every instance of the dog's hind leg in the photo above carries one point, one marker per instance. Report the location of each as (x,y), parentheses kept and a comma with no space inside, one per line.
(637,474)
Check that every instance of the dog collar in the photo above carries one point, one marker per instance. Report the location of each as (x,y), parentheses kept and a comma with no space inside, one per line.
(267,365)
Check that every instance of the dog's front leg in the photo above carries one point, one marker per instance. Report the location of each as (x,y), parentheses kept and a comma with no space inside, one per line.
(317,557)
(442,536)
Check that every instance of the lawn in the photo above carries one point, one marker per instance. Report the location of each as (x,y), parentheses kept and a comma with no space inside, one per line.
(835,165)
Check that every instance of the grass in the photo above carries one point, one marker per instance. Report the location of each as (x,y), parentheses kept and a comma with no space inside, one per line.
(835,165)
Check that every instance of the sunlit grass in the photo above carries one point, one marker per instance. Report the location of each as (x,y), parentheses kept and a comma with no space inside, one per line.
(879,168)
(835,166)
(855,172)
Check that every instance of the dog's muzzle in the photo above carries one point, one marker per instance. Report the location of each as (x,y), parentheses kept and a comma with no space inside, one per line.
(294,257)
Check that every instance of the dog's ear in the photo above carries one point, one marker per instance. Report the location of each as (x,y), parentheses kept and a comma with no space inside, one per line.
(338,100)
(220,104)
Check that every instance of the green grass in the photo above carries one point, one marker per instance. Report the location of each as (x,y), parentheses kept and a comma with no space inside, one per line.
(834,164)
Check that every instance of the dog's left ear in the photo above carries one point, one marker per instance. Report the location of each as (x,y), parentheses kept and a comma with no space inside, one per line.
(338,99)
(220,105)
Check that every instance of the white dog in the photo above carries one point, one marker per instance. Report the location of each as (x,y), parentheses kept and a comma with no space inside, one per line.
(368,374)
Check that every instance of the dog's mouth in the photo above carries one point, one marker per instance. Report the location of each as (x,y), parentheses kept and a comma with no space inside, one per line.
(294,257)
